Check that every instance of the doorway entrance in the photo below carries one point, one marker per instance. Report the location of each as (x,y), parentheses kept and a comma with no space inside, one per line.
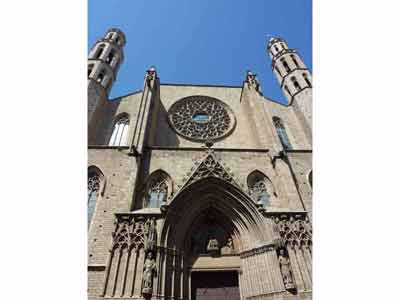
(215,286)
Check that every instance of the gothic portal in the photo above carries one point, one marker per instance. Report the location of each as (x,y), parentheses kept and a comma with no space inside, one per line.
(199,192)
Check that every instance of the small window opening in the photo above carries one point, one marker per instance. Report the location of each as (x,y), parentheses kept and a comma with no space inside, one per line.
(110,56)
(100,77)
(99,52)
(285,65)
(306,79)
(294,60)
(295,83)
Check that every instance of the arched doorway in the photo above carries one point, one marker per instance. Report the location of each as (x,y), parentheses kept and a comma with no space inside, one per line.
(207,226)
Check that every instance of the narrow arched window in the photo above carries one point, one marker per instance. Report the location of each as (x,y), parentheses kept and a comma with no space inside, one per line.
(310,178)
(110,56)
(294,60)
(281,131)
(260,188)
(260,193)
(276,49)
(285,65)
(119,135)
(157,193)
(158,189)
(295,83)
(99,52)
(93,192)
(110,35)
(100,77)
(306,79)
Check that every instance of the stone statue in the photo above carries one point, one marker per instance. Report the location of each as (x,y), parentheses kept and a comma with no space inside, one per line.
(252,80)
(229,243)
(151,234)
(228,248)
(213,245)
(286,270)
(148,271)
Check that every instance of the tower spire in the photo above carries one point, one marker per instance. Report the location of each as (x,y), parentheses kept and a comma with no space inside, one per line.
(293,76)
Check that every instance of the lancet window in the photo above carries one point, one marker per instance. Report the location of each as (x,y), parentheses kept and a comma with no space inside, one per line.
(119,135)
(157,193)
(94,181)
(281,131)
(159,187)
(306,79)
(260,188)
(285,65)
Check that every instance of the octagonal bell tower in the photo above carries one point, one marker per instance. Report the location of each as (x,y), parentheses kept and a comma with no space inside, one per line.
(104,61)
(294,78)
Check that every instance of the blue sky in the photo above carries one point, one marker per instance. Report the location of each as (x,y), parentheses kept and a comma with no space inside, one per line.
(201,41)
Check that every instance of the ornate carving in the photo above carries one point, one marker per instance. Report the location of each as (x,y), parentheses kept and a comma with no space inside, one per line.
(228,248)
(201,118)
(210,167)
(286,270)
(149,270)
(134,234)
(150,75)
(294,230)
(213,245)
(151,235)
(252,81)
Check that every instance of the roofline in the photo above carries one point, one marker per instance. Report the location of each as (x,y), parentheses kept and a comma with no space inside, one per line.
(122,96)
(203,85)
(200,85)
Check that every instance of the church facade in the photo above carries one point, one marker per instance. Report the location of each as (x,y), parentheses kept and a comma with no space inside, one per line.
(198,191)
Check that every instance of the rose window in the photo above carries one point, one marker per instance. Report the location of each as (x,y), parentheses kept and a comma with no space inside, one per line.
(201,118)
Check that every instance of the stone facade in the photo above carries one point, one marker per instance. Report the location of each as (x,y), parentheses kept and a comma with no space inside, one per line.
(236,199)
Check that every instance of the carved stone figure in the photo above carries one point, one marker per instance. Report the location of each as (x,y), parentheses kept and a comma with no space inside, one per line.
(286,270)
(253,81)
(149,270)
(151,234)
(213,245)
(229,243)
(228,248)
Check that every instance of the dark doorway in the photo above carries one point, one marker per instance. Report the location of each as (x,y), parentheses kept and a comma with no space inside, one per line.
(215,286)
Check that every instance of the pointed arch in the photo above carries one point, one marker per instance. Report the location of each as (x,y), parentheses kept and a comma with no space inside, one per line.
(261,188)
(237,225)
(95,186)
(227,200)
(159,188)
(310,179)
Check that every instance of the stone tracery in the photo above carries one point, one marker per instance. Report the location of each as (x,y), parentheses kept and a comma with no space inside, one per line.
(201,118)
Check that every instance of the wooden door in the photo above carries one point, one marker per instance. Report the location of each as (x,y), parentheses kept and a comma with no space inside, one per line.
(215,286)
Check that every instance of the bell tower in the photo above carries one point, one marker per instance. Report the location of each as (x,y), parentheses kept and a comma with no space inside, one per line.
(104,61)
(294,78)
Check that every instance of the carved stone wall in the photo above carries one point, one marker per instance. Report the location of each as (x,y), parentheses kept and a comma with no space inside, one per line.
(117,251)
(294,233)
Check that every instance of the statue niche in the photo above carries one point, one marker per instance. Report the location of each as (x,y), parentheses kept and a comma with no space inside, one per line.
(211,238)
(149,268)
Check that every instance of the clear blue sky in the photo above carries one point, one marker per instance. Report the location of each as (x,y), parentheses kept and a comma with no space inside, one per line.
(201,41)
